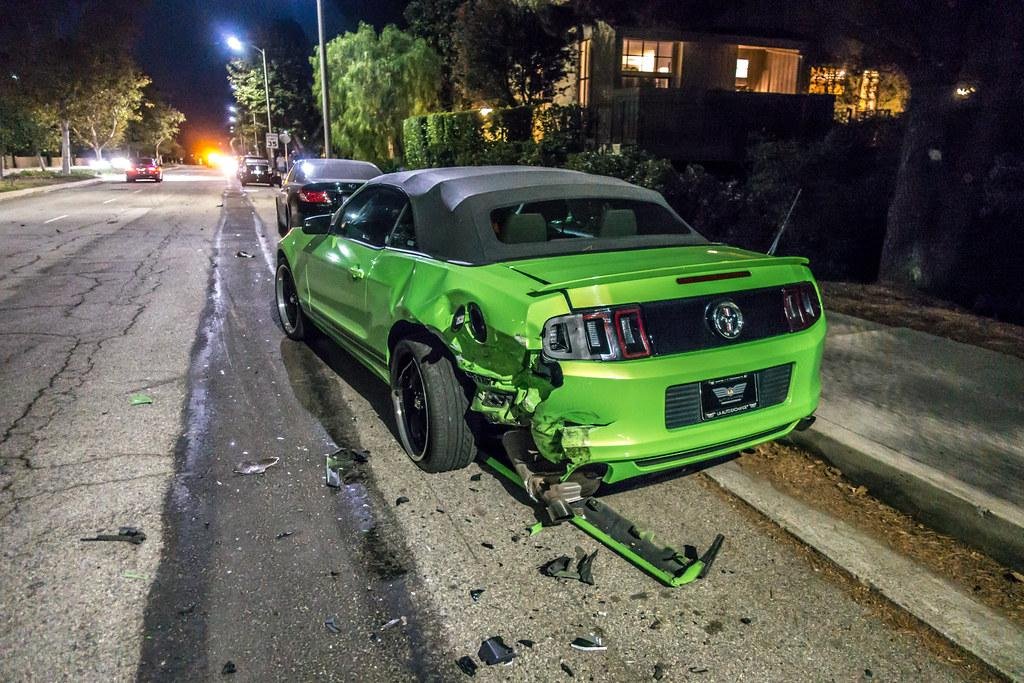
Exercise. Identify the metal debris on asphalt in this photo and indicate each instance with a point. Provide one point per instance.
(126, 534)
(561, 567)
(467, 665)
(331, 624)
(394, 622)
(228, 668)
(495, 651)
(589, 643)
(140, 399)
(476, 593)
(255, 466)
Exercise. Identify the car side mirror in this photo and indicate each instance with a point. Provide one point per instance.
(317, 225)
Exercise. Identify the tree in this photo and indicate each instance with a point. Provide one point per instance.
(63, 51)
(157, 124)
(432, 20)
(965, 65)
(510, 54)
(100, 116)
(376, 82)
(289, 76)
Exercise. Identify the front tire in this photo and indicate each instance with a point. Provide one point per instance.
(289, 310)
(431, 408)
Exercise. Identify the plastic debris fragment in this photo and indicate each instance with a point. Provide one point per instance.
(284, 534)
(331, 624)
(228, 668)
(400, 500)
(589, 643)
(566, 669)
(659, 672)
(255, 466)
(126, 534)
(243, 254)
(140, 399)
(476, 593)
(467, 665)
(525, 642)
(394, 622)
(495, 651)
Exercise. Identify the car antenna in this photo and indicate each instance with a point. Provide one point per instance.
(782, 228)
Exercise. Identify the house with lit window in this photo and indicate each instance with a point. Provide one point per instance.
(693, 96)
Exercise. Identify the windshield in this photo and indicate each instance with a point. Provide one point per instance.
(583, 219)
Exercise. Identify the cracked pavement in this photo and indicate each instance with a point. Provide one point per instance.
(97, 305)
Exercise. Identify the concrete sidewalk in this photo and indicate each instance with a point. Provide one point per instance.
(931, 426)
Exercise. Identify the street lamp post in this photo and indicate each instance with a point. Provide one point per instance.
(237, 45)
(325, 103)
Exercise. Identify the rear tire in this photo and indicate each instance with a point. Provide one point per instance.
(431, 408)
(289, 310)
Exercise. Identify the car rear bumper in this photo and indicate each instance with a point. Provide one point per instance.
(143, 175)
(615, 413)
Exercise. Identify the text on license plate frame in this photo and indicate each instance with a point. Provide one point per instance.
(730, 395)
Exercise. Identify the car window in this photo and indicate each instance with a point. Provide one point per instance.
(404, 234)
(370, 215)
(145, 161)
(584, 217)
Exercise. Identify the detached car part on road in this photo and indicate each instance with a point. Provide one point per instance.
(579, 314)
(318, 186)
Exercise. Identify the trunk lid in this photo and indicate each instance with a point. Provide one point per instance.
(646, 275)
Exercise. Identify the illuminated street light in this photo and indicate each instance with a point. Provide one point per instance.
(233, 109)
(232, 119)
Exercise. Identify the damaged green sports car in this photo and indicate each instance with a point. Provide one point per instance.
(576, 315)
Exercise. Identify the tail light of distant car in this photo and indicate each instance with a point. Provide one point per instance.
(314, 196)
(800, 305)
(605, 334)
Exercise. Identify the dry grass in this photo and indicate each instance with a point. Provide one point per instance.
(902, 308)
(816, 483)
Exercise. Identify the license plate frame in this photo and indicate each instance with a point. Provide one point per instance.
(725, 396)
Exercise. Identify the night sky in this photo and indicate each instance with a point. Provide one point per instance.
(181, 47)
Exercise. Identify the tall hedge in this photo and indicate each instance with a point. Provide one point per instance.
(514, 135)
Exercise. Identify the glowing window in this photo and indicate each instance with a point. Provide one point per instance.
(742, 67)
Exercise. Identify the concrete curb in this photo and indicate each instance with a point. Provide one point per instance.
(967, 623)
(28, 191)
(945, 504)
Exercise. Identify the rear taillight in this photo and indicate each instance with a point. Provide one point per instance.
(314, 196)
(800, 305)
(605, 334)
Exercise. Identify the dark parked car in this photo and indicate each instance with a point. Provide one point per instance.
(319, 186)
(256, 170)
(144, 168)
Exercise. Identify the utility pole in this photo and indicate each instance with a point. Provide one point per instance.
(325, 104)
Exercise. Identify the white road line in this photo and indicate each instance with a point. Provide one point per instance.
(56, 219)
(112, 199)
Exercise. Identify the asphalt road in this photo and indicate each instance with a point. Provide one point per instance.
(158, 302)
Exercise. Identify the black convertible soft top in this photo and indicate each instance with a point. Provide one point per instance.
(452, 206)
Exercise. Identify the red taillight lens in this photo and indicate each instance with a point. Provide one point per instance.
(629, 327)
(800, 305)
(314, 196)
(606, 334)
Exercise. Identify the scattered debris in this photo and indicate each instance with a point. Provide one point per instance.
(394, 622)
(659, 672)
(127, 534)
(476, 593)
(525, 642)
(341, 467)
(536, 528)
(560, 567)
(476, 477)
(467, 665)
(495, 651)
(589, 643)
(566, 669)
(746, 620)
(140, 399)
(362, 457)
(284, 534)
(331, 477)
(489, 546)
(331, 624)
(243, 254)
(655, 625)
(868, 673)
(134, 575)
(255, 466)
(400, 500)
(228, 668)
(695, 670)
(441, 510)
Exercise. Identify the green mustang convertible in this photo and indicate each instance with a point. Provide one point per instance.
(576, 315)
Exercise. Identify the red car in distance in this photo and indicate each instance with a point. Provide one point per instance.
(144, 168)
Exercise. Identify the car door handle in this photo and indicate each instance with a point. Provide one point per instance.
(356, 272)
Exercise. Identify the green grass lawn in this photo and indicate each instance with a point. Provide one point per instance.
(26, 179)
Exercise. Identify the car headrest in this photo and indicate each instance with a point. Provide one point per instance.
(525, 227)
(617, 223)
